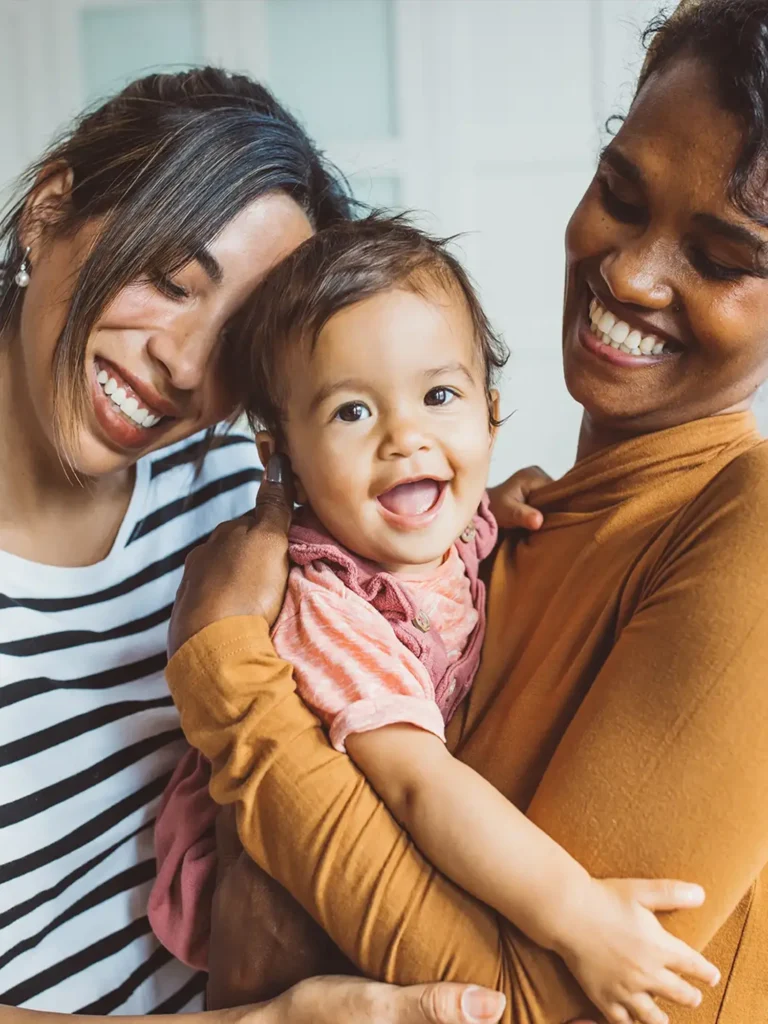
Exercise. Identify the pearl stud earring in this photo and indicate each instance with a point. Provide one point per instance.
(22, 274)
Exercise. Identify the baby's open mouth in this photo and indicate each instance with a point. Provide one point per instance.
(412, 498)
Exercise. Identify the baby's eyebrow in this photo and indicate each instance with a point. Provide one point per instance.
(450, 368)
(325, 392)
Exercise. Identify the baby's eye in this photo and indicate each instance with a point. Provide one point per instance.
(440, 396)
(352, 412)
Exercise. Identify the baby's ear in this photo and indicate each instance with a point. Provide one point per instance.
(266, 446)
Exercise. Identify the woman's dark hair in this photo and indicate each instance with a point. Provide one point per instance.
(731, 37)
(333, 269)
(165, 165)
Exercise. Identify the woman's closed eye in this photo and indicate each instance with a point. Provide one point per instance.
(352, 412)
(440, 395)
(170, 288)
(715, 271)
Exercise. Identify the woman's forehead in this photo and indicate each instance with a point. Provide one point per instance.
(678, 116)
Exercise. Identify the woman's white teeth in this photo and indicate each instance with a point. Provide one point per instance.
(619, 335)
(127, 404)
(606, 322)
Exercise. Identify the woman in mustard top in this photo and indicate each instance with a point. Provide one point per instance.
(621, 700)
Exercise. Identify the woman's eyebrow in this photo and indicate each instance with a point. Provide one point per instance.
(730, 230)
(741, 235)
(210, 265)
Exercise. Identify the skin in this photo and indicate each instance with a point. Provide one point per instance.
(168, 345)
(643, 240)
(392, 391)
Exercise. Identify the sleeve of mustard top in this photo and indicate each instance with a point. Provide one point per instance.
(309, 817)
(663, 772)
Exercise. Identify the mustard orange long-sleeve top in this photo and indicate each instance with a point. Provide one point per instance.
(622, 701)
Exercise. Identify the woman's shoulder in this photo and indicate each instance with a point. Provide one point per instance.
(207, 454)
(742, 484)
(186, 489)
(728, 521)
(222, 465)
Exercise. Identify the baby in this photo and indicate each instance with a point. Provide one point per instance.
(371, 364)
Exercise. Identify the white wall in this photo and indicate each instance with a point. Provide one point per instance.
(486, 113)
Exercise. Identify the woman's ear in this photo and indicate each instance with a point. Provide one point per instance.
(51, 193)
(494, 406)
(267, 447)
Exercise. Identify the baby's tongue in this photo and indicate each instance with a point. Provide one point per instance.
(411, 499)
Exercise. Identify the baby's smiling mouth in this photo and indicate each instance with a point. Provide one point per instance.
(413, 497)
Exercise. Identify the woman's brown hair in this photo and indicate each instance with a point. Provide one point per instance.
(164, 165)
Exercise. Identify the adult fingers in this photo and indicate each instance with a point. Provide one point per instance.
(338, 1000)
(667, 894)
(512, 514)
(449, 1003)
(274, 502)
(510, 500)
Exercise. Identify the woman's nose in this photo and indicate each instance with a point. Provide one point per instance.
(640, 274)
(184, 356)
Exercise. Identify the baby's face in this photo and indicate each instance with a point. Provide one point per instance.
(388, 429)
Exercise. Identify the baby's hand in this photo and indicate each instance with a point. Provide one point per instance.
(509, 501)
(623, 958)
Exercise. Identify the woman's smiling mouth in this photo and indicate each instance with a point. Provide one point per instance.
(619, 342)
(125, 415)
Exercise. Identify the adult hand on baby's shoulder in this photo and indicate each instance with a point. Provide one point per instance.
(510, 500)
(243, 566)
(339, 1000)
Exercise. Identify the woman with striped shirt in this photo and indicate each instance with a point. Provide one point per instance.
(136, 240)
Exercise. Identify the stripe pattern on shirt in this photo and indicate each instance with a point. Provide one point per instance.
(88, 739)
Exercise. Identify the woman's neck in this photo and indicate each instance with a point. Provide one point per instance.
(594, 437)
(47, 513)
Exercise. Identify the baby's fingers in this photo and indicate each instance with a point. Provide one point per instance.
(643, 1009)
(617, 1015)
(684, 960)
(666, 894)
(675, 989)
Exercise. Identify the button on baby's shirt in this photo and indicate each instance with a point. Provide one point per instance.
(421, 621)
(451, 687)
(469, 533)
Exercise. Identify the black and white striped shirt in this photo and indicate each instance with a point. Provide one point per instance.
(88, 739)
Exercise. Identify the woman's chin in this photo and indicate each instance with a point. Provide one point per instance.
(92, 458)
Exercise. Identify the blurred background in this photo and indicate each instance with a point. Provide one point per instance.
(487, 115)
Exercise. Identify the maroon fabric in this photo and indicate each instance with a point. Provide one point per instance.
(179, 908)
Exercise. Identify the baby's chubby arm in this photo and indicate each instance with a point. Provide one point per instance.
(471, 832)
(605, 930)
